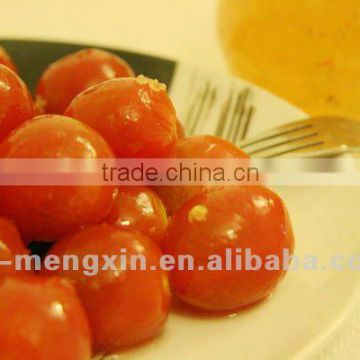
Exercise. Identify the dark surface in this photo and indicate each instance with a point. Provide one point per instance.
(32, 57)
(40, 248)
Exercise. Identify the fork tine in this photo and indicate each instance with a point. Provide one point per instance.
(195, 94)
(210, 103)
(198, 108)
(277, 143)
(237, 108)
(201, 104)
(242, 112)
(194, 97)
(190, 113)
(276, 132)
(224, 114)
(249, 117)
(294, 147)
(281, 140)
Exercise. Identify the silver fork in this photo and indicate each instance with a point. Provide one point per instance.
(314, 137)
(235, 117)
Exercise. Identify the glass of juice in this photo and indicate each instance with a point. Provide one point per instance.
(306, 51)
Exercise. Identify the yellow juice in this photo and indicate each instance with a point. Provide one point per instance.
(307, 51)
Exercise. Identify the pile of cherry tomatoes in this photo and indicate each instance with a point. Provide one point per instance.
(90, 104)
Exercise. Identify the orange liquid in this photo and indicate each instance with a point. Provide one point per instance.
(307, 51)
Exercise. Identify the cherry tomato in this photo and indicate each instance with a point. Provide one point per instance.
(212, 224)
(180, 130)
(5, 59)
(135, 115)
(46, 213)
(16, 105)
(124, 306)
(196, 147)
(138, 208)
(70, 75)
(11, 244)
(41, 318)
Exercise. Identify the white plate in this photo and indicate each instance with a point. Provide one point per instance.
(308, 306)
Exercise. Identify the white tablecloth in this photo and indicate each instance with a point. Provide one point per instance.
(179, 29)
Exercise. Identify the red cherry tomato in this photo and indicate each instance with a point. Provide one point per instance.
(180, 130)
(5, 59)
(74, 73)
(42, 319)
(135, 116)
(45, 213)
(196, 147)
(207, 146)
(124, 306)
(10, 245)
(10, 237)
(16, 105)
(243, 217)
(138, 208)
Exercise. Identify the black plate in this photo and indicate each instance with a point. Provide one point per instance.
(32, 57)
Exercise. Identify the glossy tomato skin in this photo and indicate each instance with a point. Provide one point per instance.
(46, 213)
(11, 244)
(125, 307)
(42, 319)
(138, 208)
(196, 147)
(135, 116)
(74, 73)
(16, 105)
(6, 60)
(244, 217)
